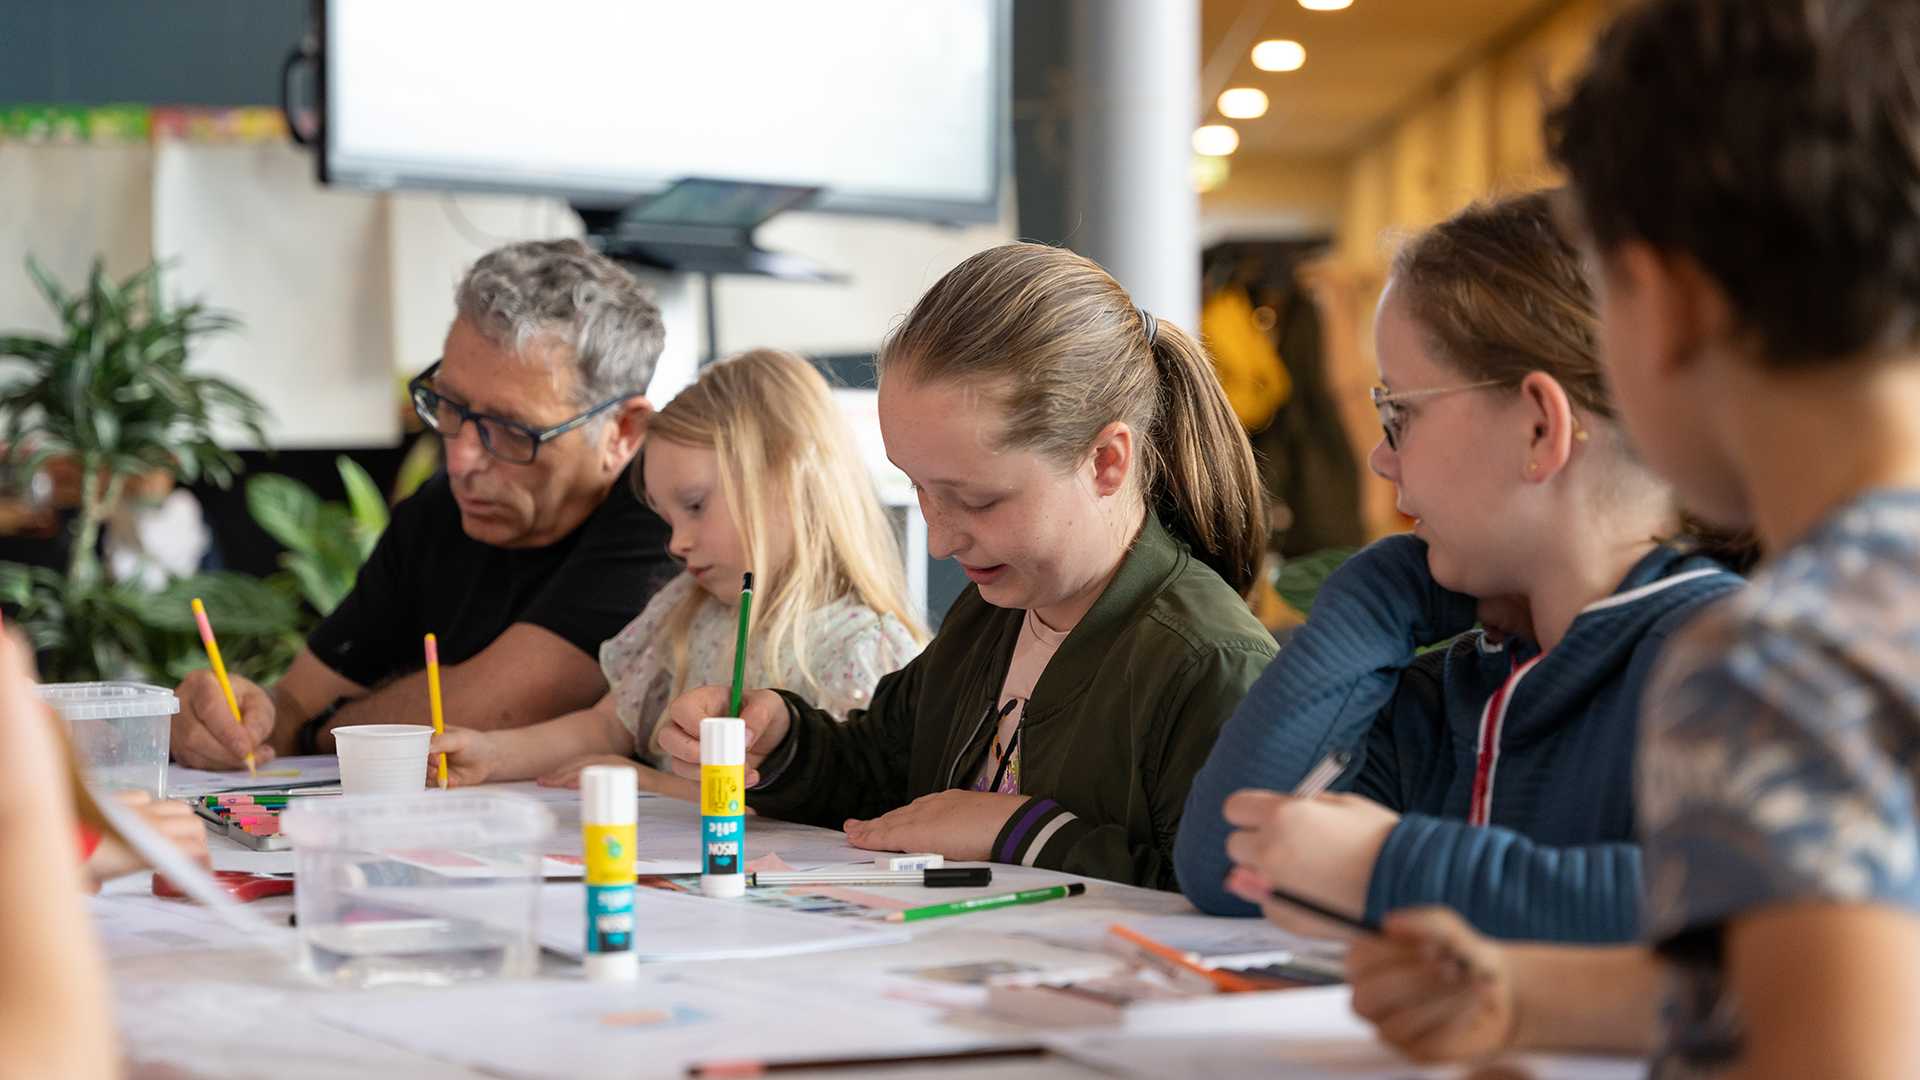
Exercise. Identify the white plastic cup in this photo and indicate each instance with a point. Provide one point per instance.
(382, 759)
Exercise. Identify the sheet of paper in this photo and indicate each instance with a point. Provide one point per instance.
(665, 867)
(637, 1031)
(1206, 935)
(532, 790)
(1262, 1056)
(1321, 1012)
(573, 866)
(676, 841)
(808, 855)
(452, 863)
(134, 925)
(185, 783)
(678, 926)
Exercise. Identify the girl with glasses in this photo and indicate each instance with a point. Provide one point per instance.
(755, 470)
(1494, 772)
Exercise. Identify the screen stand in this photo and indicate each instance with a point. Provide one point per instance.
(704, 227)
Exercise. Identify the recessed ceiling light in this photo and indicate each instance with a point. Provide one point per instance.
(1279, 55)
(1243, 103)
(1325, 5)
(1215, 140)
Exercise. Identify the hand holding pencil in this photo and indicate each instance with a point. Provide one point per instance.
(186, 750)
(1309, 843)
(433, 701)
(204, 735)
(764, 711)
(1434, 987)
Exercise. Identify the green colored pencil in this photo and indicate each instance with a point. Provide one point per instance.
(1030, 896)
(740, 647)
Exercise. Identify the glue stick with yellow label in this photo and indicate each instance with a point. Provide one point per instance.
(723, 806)
(609, 807)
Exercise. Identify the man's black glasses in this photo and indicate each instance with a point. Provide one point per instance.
(509, 440)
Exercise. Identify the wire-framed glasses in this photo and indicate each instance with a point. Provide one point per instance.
(1393, 418)
(509, 440)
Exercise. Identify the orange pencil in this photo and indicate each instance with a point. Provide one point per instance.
(220, 670)
(433, 698)
(1147, 952)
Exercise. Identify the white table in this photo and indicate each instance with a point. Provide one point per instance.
(243, 1012)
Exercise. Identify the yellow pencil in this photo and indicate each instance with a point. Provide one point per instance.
(433, 697)
(220, 670)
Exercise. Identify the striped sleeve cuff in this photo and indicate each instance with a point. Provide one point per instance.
(1038, 834)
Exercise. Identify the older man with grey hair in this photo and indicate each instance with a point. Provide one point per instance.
(522, 557)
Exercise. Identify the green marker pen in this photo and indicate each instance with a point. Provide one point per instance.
(1029, 896)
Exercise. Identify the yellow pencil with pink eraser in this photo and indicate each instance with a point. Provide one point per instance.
(220, 671)
(433, 699)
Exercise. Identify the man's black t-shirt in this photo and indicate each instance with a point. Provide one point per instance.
(427, 575)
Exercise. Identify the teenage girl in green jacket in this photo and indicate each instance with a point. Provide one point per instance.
(1080, 461)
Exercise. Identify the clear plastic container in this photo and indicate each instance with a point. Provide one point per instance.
(119, 729)
(424, 890)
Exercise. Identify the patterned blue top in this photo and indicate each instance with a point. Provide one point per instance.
(1781, 751)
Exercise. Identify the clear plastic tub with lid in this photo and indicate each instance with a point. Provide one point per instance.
(118, 729)
(428, 890)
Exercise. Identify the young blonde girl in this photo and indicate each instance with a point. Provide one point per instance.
(732, 464)
(1080, 461)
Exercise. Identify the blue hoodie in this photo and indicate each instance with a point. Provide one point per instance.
(1556, 860)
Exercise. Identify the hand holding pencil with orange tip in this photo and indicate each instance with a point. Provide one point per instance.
(220, 670)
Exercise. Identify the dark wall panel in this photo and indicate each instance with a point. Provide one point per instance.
(185, 52)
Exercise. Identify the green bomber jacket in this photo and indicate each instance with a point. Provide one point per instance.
(1121, 719)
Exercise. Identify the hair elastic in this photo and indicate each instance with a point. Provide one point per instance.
(1150, 324)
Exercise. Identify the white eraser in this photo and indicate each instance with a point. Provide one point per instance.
(909, 862)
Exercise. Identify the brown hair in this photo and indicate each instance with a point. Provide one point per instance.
(1065, 352)
(1772, 142)
(1501, 294)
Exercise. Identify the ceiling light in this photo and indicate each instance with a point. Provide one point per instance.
(1325, 5)
(1244, 103)
(1215, 140)
(1279, 55)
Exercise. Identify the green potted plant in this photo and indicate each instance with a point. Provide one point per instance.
(111, 394)
(326, 542)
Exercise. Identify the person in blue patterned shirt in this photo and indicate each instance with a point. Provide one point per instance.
(1747, 180)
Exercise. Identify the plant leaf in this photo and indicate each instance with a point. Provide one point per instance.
(286, 508)
(369, 508)
(1300, 578)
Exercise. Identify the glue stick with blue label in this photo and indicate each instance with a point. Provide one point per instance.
(609, 806)
(723, 806)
